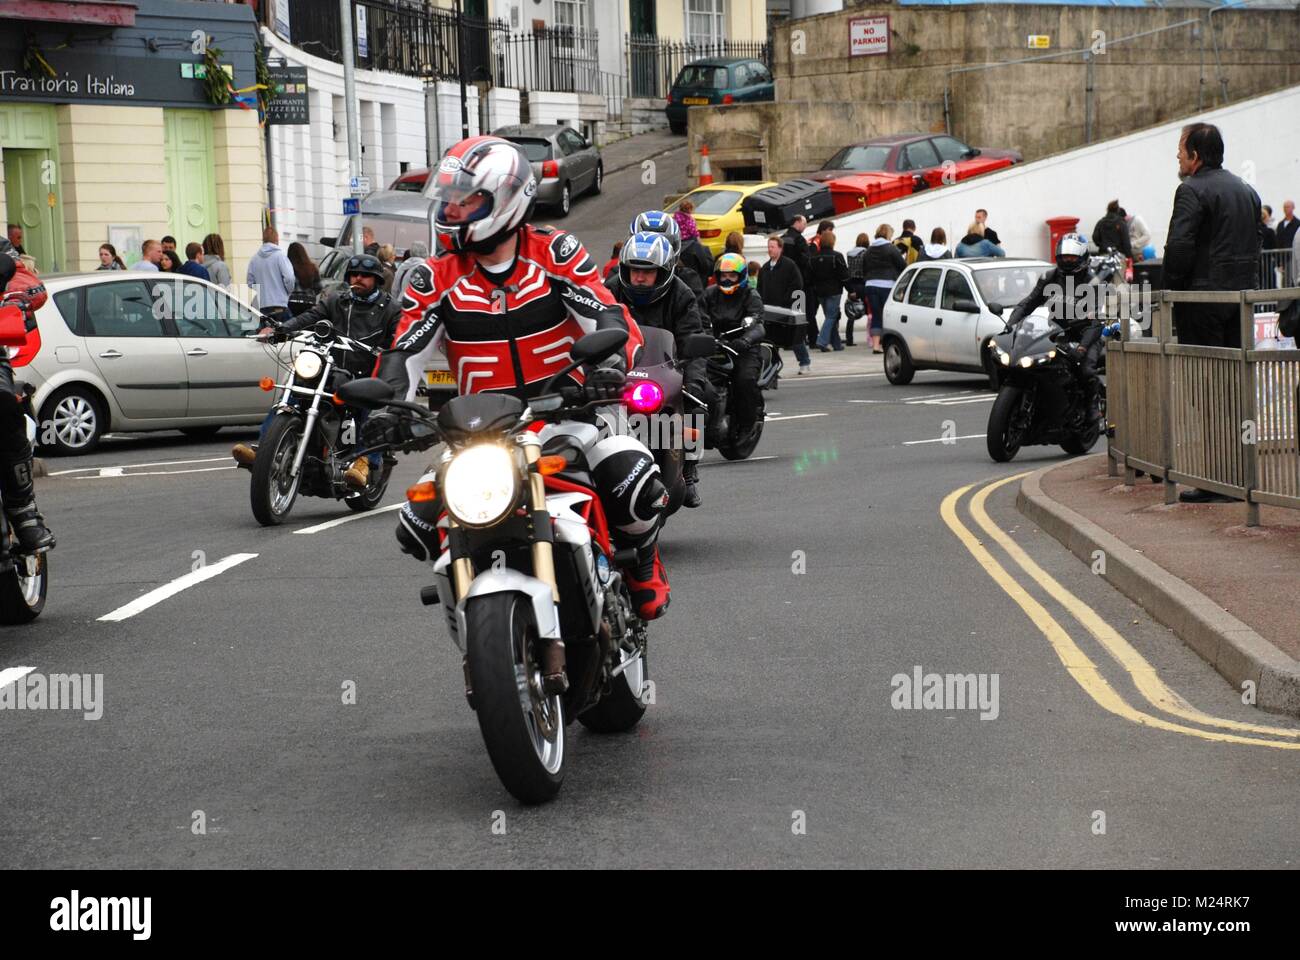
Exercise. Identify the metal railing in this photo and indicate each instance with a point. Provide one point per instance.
(1275, 269)
(1216, 418)
(652, 63)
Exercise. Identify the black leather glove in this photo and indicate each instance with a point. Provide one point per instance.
(384, 428)
(604, 383)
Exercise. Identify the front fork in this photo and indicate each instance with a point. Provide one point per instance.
(543, 555)
(313, 414)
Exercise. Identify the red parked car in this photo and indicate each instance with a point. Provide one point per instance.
(922, 156)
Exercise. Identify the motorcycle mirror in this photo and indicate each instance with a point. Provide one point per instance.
(996, 309)
(324, 328)
(546, 404)
(595, 347)
(698, 346)
(966, 306)
(370, 393)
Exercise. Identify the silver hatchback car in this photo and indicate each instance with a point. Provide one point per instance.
(565, 163)
(130, 351)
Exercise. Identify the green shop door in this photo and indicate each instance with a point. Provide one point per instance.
(29, 141)
(191, 179)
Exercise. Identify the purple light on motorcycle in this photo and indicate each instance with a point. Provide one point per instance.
(644, 397)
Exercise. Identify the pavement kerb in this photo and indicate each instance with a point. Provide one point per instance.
(1236, 651)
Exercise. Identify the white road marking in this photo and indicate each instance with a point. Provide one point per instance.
(906, 399)
(723, 463)
(331, 524)
(796, 378)
(10, 674)
(106, 475)
(969, 436)
(952, 403)
(133, 466)
(109, 472)
(798, 416)
(140, 604)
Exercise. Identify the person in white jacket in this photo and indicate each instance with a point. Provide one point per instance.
(1139, 235)
(271, 274)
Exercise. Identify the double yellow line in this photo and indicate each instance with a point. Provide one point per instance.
(1076, 662)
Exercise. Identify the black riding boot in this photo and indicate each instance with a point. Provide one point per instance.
(19, 496)
(691, 474)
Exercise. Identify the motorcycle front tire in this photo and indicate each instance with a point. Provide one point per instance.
(271, 498)
(1002, 448)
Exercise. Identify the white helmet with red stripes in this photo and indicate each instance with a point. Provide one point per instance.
(482, 191)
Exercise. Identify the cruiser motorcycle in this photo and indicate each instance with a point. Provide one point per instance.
(312, 437)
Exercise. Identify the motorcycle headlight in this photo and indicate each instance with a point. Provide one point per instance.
(1004, 357)
(481, 484)
(1026, 361)
(307, 365)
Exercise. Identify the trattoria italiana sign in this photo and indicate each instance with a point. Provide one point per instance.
(89, 78)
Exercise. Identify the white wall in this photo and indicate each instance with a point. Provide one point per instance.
(502, 107)
(1262, 145)
(310, 163)
(546, 106)
(443, 105)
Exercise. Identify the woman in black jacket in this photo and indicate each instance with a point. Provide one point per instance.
(881, 266)
(829, 271)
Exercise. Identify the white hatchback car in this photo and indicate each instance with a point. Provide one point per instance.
(941, 314)
(107, 358)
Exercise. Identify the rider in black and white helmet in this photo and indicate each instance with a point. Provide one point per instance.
(657, 221)
(1073, 300)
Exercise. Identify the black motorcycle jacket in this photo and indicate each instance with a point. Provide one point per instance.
(677, 311)
(373, 323)
(1072, 300)
(727, 312)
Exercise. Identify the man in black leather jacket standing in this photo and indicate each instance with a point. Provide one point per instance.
(361, 311)
(1213, 240)
(735, 311)
(647, 284)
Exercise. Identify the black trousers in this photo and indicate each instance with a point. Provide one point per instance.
(749, 397)
(1207, 324)
(15, 449)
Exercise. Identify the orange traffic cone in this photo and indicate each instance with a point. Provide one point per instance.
(706, 171)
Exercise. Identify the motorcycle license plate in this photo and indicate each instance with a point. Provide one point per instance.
(439, 378)
(695, 101)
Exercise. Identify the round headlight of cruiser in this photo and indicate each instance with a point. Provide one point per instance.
(481, 484)
(307, 365)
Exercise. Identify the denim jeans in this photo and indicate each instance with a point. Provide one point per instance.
(830, 333)
(801, 354)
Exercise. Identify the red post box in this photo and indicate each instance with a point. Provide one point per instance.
(1057, 227)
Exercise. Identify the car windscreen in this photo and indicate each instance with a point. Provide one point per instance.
(1006, 285)
(534, 150)
(858, 158)
(702, 78)
(400, 232)
(713, 203)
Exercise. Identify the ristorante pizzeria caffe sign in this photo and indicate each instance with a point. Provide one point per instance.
(89, 78)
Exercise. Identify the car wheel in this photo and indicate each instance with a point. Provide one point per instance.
(899, 369)
(566, 201)
(676, 127)
(600, 178)
(72, 422)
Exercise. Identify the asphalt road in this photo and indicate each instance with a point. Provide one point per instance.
(813, 575)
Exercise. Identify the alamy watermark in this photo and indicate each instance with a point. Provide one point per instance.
(946, 691)
(58, 691)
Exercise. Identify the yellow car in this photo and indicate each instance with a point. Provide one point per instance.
(717, 210)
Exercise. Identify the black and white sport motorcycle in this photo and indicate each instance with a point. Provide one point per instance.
(524, 569)
(312, 438)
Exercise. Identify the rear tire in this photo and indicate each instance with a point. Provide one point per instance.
(677, 128)
(566, 201)
(1003, 442)
(23, 588)
(899, 369)
(374, 492)
(522, 729)
(622, 708)
(1082, 442)
(271, 493)
(598, 181)
(733, 450)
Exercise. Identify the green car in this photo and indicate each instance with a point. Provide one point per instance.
(717, 81)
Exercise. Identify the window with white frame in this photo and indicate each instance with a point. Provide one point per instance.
(571, 13)
(706, 21)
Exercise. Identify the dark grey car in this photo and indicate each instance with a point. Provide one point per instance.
(565, 163)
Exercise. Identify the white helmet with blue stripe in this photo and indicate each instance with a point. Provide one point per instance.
(657, 221)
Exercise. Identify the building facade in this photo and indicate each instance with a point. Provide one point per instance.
(108, 132)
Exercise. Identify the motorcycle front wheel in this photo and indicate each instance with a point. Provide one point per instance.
(273, 491)
(523, 729)
(1004, 436)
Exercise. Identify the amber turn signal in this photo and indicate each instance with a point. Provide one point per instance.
(337, 401)
(547, 466)
(267, 384)
(422, 492)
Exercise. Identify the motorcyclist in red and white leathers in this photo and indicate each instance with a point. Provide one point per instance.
(505, 305)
